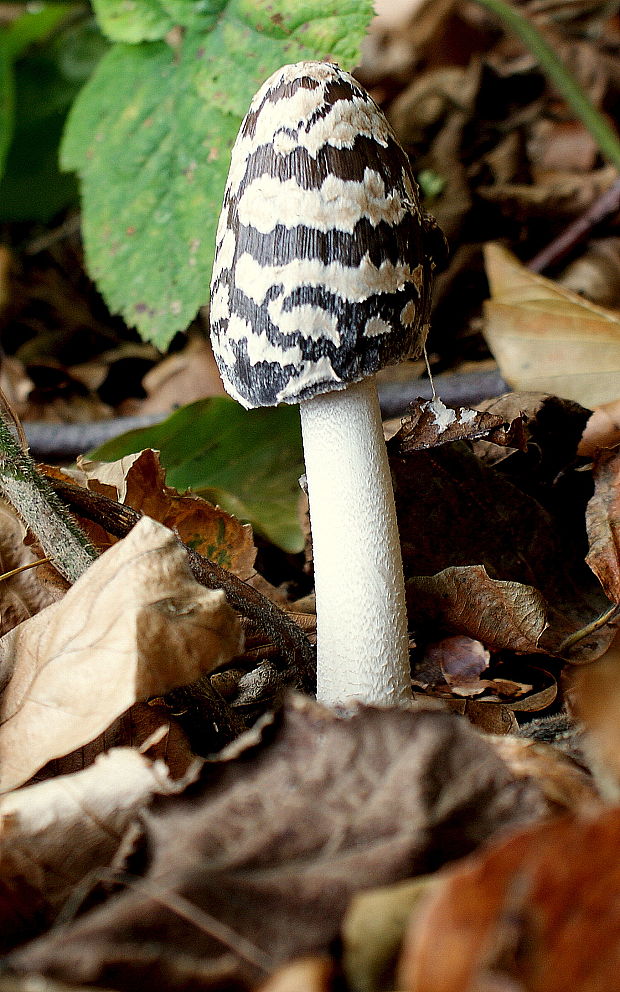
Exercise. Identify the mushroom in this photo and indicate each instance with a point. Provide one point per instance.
(322, 276)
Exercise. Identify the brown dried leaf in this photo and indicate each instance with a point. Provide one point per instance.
(603, 522)
(559, 193)
(22, 595)
(538, 911)
(500, 614)
(596, 273)
(310, 974)
(135, 625)
(522, 525)
(187, 375)
(276, 843)
(602, 429)
(546, 338)
(565, 783)
(431, 423)
(55, 833)
(139, 481)
(145, 726)
(561, 146)
(595, 698)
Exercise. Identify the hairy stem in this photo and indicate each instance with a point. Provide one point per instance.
(41, 510)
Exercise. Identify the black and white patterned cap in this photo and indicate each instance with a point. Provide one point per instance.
(322, 272)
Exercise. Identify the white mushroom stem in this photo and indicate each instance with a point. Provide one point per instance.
(362, 644)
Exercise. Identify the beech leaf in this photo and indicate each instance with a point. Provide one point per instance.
(546, 338)
(603, 522)
(500, 614)
(261, 863)
(135, 625)
(139, 481)
(53, 834)
(538, 911)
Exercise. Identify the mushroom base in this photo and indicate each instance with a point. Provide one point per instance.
(362, 643)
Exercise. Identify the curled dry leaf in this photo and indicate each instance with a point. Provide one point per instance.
(54, 834)
(134, 626)
(139, 481)
(21, 595)
(595, 697)
(430, 423)
(602, 429)
(545, 337)
(500, 614)
(603, 522)
(537, 912)
(312, 974)
(261, 863)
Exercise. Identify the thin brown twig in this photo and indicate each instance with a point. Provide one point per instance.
(604, 206)
(118, 520)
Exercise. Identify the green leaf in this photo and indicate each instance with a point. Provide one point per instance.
(46, 78)
(35, 24)
(151, 20)
(246, 461)
(151, 134)
(7, 99)
(31, 26)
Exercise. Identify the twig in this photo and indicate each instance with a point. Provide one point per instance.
(118, 520)
(58, 442)
(604, 206)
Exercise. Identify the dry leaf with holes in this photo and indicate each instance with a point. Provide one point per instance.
(547, 338)
(431, 422)
(139, 481)
(55, 833)
(135, 625)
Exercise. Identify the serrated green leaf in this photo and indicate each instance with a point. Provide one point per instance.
(132, 21)
(151, 135)
(246, 461)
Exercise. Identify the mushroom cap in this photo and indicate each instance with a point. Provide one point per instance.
(323, 263)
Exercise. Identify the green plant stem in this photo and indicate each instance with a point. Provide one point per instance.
(566, 84)
(63, 542)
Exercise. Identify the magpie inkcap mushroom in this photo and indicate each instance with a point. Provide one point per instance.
(322, 276)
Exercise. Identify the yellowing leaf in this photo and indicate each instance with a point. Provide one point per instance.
(546, 338)
(135, 625)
